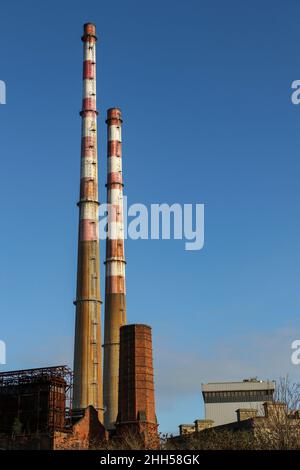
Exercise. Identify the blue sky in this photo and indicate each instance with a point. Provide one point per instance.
(204, 87)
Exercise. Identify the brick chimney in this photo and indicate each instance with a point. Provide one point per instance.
(136, 385)
(275, 409)
(201, 424)
(246, 413)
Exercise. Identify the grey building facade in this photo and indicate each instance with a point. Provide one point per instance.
(221, 400)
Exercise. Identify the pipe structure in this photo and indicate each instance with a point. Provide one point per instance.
(88, 352)
(115, 291)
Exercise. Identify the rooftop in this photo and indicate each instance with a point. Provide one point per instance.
(247, 384)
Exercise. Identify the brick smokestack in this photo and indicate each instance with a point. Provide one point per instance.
(115, 291)
(136, 386)
(88, 354)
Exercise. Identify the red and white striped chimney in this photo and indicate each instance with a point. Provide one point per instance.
(115, 294)
(88, 354)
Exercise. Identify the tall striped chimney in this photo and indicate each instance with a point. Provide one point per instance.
(88, 353)
(115, 294)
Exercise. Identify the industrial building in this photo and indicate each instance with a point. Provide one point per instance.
(54, 408)
(276, 427)
(222, 399)
(35, 400)
(227, 402)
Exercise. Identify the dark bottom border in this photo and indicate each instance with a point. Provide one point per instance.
(134, 459)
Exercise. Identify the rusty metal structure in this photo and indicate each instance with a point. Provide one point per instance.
(115, 289)
(36, 400)
(88, 354)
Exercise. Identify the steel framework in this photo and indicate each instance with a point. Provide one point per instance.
(39, 398)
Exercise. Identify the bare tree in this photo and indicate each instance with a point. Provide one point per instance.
(277, 428)
(280, 427)
(288, 392)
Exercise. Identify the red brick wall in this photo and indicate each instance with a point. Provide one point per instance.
(87, 433)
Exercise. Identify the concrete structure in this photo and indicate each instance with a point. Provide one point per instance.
(88, 353)
(136, 386)
(223, 399)
(115, 290)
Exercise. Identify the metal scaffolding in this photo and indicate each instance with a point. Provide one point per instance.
(39, 399)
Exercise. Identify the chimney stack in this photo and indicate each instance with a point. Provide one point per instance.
(87, 354)
(115, 291)
(136, 386)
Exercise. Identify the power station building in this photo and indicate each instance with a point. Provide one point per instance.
(223, 399)
(95, 403)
